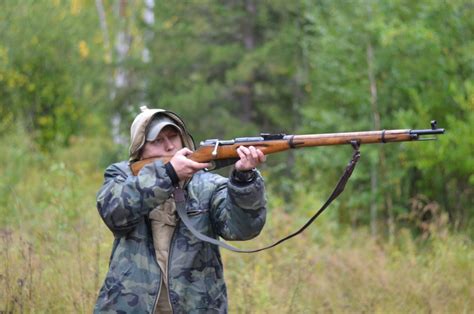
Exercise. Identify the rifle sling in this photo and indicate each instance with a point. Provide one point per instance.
(180, 200)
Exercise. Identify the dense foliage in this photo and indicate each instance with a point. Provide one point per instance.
(234, 68)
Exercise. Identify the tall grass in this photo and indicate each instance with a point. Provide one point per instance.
(355, 274)
(54, 250)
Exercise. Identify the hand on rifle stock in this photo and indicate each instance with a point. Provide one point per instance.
(185, 167)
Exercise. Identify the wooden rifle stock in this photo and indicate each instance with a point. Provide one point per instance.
(224, 153)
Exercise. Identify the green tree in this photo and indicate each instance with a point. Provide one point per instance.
(50, 63)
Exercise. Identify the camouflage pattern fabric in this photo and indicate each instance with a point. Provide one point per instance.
(217, 206)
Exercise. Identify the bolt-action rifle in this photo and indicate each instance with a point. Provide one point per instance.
(222, 153)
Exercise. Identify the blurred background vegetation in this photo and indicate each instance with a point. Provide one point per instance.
(73, 74)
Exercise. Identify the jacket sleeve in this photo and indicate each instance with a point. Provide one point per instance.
(239, 210)
(124, 199)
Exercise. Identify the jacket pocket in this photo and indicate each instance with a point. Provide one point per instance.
(198, 211)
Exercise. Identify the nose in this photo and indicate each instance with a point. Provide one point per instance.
(168, 144)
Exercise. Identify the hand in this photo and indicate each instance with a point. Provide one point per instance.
(184, 167)
(250, 157)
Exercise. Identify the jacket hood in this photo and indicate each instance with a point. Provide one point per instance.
(140, 126)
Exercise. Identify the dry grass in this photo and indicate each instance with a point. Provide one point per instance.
(353, 273)
(54, 252)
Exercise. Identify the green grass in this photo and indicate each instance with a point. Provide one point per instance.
(54, 251)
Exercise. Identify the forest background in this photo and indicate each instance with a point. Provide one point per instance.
(400, 239)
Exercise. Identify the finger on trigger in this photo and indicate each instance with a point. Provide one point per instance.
(204, 165)
(196, 165)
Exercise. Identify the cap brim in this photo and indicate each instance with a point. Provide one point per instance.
(156, 128)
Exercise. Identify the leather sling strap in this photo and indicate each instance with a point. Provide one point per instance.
(180, 199)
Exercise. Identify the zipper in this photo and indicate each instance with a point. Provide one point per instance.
(168, 266)
(170, 253)
(168, 275)
(157, 296)
(148, 222)
(168, 262)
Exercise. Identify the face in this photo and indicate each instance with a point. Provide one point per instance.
(166, 144)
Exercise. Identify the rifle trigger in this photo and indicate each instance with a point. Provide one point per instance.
(214, 152)
(212, 167)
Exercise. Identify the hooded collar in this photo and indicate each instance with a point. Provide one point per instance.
(140, 126)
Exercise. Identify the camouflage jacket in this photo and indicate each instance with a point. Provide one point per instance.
(218, 207)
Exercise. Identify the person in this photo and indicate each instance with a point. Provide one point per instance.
(157, 265)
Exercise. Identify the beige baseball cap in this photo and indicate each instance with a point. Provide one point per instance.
(157, 124)
(141, 129)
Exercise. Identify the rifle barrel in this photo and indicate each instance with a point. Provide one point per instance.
(427, 131)
(367, 137)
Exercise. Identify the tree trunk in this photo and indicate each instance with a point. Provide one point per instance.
(381, 160)
(246, 89)
(298, 95)
(373, 199)
(121, 76)
(376, 121)
(149, 35)
(103, 26)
